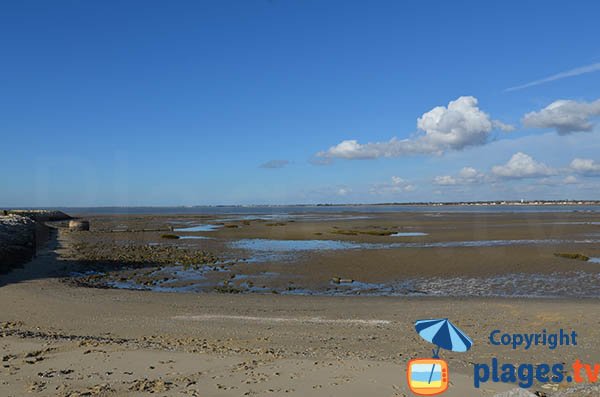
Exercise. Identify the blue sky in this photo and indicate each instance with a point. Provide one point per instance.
(241, 102)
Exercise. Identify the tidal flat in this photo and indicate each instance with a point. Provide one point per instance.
(449, 254)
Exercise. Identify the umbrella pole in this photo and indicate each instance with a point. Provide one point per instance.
(435, 355)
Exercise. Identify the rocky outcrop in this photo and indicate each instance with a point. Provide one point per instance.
(39, 215)
(17, 241)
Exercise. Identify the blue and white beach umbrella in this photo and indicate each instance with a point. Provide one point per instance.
(444, 334)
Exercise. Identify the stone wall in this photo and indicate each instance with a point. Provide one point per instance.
(39, 215)
(18, 238)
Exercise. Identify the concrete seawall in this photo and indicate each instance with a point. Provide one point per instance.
(21, 233)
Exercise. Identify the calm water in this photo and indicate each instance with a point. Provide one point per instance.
(267, 245)
(198, 228)
(284, 210)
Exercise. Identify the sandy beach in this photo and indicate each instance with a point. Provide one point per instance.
(61, 338)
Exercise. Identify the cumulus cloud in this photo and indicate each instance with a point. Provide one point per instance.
(397, 185)
(466, 175)
(585, 166)
(565, 116)
(274, 164)
(470, 175)
(522, 165)
(455, 127)
(569, 180)
(459, 125)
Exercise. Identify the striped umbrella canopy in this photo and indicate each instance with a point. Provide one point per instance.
(444, 334)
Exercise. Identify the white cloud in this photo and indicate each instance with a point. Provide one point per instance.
(569, 73)
(470, 175)
(569, 180)
(445, 180)
(397, 185)
(343, 191)
(459, 125)
(274, 164)
(522, 165)
(397, 181)
(565, 116)
(455, 127)
(352, 150)
(585, 166)
(503, 126)
(467, 175)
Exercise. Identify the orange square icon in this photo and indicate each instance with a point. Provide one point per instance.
(427, 376)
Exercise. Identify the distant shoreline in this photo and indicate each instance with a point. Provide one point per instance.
(414, 204)
(479, 203)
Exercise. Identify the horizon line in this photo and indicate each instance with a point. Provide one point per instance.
(461, 202)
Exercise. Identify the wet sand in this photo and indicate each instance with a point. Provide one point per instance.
(497, 254)
(61, 339)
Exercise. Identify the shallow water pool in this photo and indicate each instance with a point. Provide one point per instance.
(267, 245)
(198, 228)
(293, 245)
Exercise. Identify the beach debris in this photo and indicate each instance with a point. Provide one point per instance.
(341, 280)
